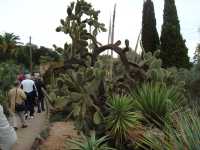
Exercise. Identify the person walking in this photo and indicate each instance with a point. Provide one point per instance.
(39, 85)
(8, 135)
(30, 89)
(20, 77)
(17, 99)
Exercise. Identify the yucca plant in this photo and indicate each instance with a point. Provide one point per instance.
(185, 136)
(122, 117)
(91, 143)
(156, 101)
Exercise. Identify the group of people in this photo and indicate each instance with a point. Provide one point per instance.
(24, 96)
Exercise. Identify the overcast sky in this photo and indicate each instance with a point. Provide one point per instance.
(39, 18)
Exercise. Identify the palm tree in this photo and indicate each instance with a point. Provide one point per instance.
(8, 44)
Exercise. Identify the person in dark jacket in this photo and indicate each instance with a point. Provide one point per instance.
(39, 85)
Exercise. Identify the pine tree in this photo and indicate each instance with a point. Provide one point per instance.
(150, 38)
(173, 49)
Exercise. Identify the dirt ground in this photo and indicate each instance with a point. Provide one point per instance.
(59, 133)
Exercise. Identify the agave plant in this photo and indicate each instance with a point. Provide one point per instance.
(91, 143)
(185, 135)
(156, 101)
(122, 118)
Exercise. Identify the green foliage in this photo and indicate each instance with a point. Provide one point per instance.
(151, 64)
(103, 62)
(193, 80)
(173, 49)
(171, 76)
(193, 83)
(39, 55)
(183, 134)
(185, 81)
(122, 82)
(196, 57)
(22, 56)
(2, 97)
(157, 100)
(118, 68)
(91, 143)
(45, 55)
(150, 38)
(12, 49)
(178, 78)
(8, 72)
(122, 117)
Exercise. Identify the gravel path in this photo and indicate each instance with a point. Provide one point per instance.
(27, 135)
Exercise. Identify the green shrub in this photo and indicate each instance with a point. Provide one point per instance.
(8, 74)
(156, 101)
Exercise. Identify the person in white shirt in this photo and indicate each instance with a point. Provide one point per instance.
(30, 89)
(8, 135)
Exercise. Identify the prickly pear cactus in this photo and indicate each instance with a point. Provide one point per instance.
(84, 83)
(80, 18)
(83, 94)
